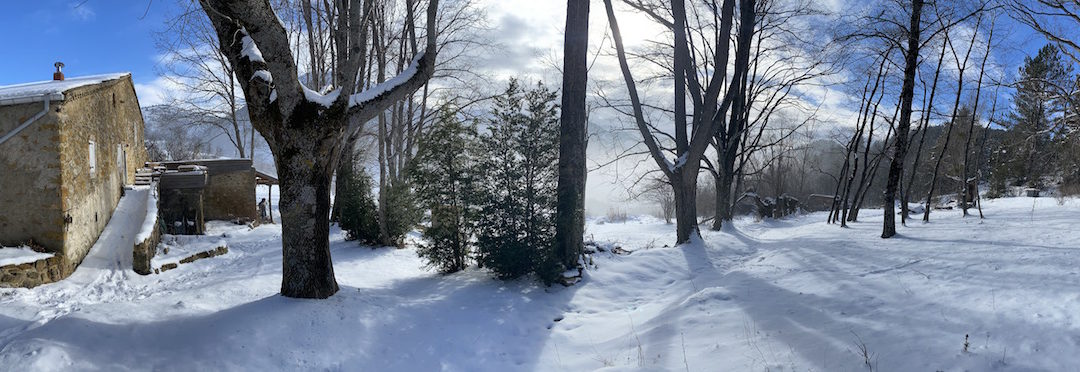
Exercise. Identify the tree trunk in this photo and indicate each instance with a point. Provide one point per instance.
(971, 126)
(873, 174)
(570, 207)
(737, 121)
(722, 204)
(384, 184)
(922, 139)
(724, 183)
(907, 93)
(685, 187)
(305, 167)
(304, 135)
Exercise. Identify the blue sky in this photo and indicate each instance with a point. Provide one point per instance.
(99, 36)
(105, 36)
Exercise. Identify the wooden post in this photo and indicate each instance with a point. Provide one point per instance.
(269, 203)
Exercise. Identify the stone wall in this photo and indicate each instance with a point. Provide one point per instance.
(230, 193)
(192, 258)
(231, 196)
(29, 275)
(30, 178)
(145, 250)
(107, 114)
(48, 194)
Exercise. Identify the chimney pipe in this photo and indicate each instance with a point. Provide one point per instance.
(58, 75)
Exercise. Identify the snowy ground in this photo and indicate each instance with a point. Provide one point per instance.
(174, 248)
(781, 295)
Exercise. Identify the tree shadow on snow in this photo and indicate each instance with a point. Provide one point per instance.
(458, 322)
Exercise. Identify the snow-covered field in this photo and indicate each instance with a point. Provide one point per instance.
(795, 294)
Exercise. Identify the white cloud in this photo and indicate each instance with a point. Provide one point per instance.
(155, 92)
(81, 11)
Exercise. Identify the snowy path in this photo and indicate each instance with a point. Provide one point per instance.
(781, 295)
(102, 276)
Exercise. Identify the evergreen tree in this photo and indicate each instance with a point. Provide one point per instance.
(515, 226)
(443, 173)
(403, 214)
(1067, 145)
(356, 207)
(1024, 158)
(952, 169)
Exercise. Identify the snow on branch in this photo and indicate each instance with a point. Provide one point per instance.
(367, 95)
(326, 100)
(264, 75)
(249, 49)
(370, 94)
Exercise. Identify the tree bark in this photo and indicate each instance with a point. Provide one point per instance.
(570, 207)
(305, 167)
(907, 93)
(685, 187)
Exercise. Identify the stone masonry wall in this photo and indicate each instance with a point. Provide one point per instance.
(230, 196)
(107, 114)
(145, 250)
(36, 273)
(30, 178)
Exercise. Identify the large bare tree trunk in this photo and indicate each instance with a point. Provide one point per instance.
(305, 168)
(303, 132)
(685, 187)
(570, 207)
(723, 200)
(730, 141)
(709, 108)
(907, 94)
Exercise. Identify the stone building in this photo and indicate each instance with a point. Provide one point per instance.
(229, 193)
(67, 148)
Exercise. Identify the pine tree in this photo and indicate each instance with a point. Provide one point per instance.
(403, 214)
(357, 208)
(443, 173)
(515, 226)
(1024, 158)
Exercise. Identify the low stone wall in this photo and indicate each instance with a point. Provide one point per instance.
(145, 250)
(33, 274)
(189, 259)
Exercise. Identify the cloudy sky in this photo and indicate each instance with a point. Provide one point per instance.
(104, 36)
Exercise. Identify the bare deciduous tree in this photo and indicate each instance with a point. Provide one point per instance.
(210, 95)
(570, 207)
(305, 127)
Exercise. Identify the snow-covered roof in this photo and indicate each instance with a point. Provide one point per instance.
(51, 89)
